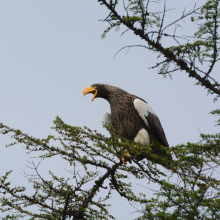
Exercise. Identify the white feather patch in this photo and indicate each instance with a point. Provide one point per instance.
(107, 118)
(142, 137)
(143, 109)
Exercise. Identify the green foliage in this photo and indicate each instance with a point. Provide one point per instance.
(194, 195)
(84, 148)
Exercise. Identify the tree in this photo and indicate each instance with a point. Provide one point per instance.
(194, 195)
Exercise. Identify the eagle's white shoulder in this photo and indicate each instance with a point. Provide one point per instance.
(143, 109)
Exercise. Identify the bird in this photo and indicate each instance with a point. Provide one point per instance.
(132, 116)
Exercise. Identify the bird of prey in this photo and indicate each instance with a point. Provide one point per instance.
(132, 116)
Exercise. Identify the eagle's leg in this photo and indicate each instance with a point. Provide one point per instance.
(123, 158)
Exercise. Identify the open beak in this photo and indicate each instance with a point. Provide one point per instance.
(90, 90)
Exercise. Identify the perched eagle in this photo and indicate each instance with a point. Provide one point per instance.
(130, 115)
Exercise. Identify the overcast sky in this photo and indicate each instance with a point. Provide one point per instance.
(51, 50)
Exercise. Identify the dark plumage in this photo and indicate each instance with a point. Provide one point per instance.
(130, 114)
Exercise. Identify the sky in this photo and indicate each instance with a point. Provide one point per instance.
(51, 50)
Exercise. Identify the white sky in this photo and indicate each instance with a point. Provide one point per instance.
(51, 50)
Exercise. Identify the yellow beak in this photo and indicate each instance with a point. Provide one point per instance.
(90, 90)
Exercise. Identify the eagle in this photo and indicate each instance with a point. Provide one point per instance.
(132, 116)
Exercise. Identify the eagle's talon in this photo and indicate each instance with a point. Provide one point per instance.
(127, 154)
(126, 158)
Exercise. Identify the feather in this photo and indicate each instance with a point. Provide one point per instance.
(107, 118)
(151, 120)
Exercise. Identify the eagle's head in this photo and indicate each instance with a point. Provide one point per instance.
(101, 91)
